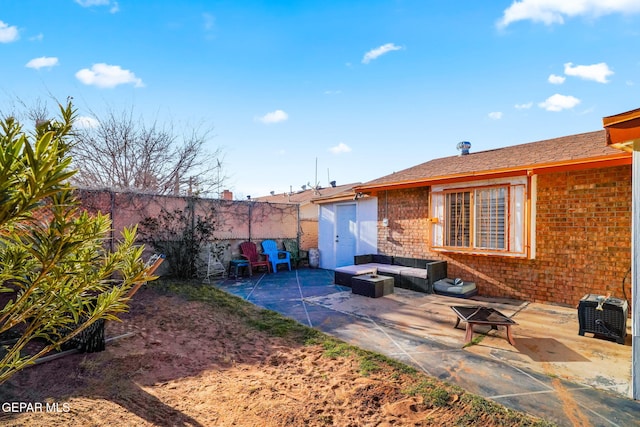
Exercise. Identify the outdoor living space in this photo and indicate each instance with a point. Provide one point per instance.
(549, 366)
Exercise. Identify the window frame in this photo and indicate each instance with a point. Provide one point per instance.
(517, 224)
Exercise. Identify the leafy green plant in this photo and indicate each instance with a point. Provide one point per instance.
(182, 236)
(56, 278)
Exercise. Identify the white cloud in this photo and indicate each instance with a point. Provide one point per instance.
(8, 33)
(551, 12)
(379, 51)
(43, 61)
(86, 122)
(107, 76)
(90, 3)
(523, 106)
(340, 148)
(495, 115)
(556, 80)
(37, 38)
(115, 7)
(276, 116)
(559, 102)
(596, 72)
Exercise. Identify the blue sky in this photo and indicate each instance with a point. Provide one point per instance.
(360, 88)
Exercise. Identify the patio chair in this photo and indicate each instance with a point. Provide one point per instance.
(250, 253)
(275, 256)
(297, 254)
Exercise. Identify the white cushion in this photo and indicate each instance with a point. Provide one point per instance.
(358, 269)
(420, 273)
(392, 269)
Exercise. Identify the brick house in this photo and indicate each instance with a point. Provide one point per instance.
(546, 221)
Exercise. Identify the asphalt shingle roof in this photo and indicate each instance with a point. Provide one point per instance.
(524, 156)
(302, 197)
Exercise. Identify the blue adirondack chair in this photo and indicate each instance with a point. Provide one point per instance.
(275, 256)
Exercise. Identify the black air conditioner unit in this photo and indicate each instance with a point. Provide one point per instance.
(603, 317)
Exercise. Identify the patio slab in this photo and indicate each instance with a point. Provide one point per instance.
(551, 372)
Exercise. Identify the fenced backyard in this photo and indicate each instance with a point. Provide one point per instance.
(232, 222)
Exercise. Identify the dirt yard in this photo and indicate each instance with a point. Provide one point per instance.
(192, 364)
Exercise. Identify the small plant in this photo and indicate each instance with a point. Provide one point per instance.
(432, 393)
(182, 236)
(368, 365)
(334, 349)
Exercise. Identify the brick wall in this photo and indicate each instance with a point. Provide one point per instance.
(583, 239)
(408, 231)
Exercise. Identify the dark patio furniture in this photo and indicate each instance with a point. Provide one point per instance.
(455, 288)
(478, 315)
(409, 273)
(372, 285)
(603, 316)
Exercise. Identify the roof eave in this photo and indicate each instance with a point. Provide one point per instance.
(336, 198)
(622, 129)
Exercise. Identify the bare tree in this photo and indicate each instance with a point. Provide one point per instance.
(124, 153)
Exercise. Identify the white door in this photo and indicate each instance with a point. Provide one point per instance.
(345, 239)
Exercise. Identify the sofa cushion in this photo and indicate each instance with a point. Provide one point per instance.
(411, 262)
(358, 269)
(414, 272)
(391, 269)
(446, 287)
(362, 259)
(407, 262)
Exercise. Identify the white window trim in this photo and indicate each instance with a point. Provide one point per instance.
(520, 244)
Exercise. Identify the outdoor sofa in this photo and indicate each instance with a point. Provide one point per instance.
(408, 273)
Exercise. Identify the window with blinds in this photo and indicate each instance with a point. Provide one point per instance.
(458, 217)
(490, 218)
(487, 219)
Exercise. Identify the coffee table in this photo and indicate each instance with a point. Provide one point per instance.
(478, 315)
(372, 285)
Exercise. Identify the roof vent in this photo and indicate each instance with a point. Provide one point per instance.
(333, 183)
(463, 147)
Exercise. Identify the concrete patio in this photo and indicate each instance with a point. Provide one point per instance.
(551, 372)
